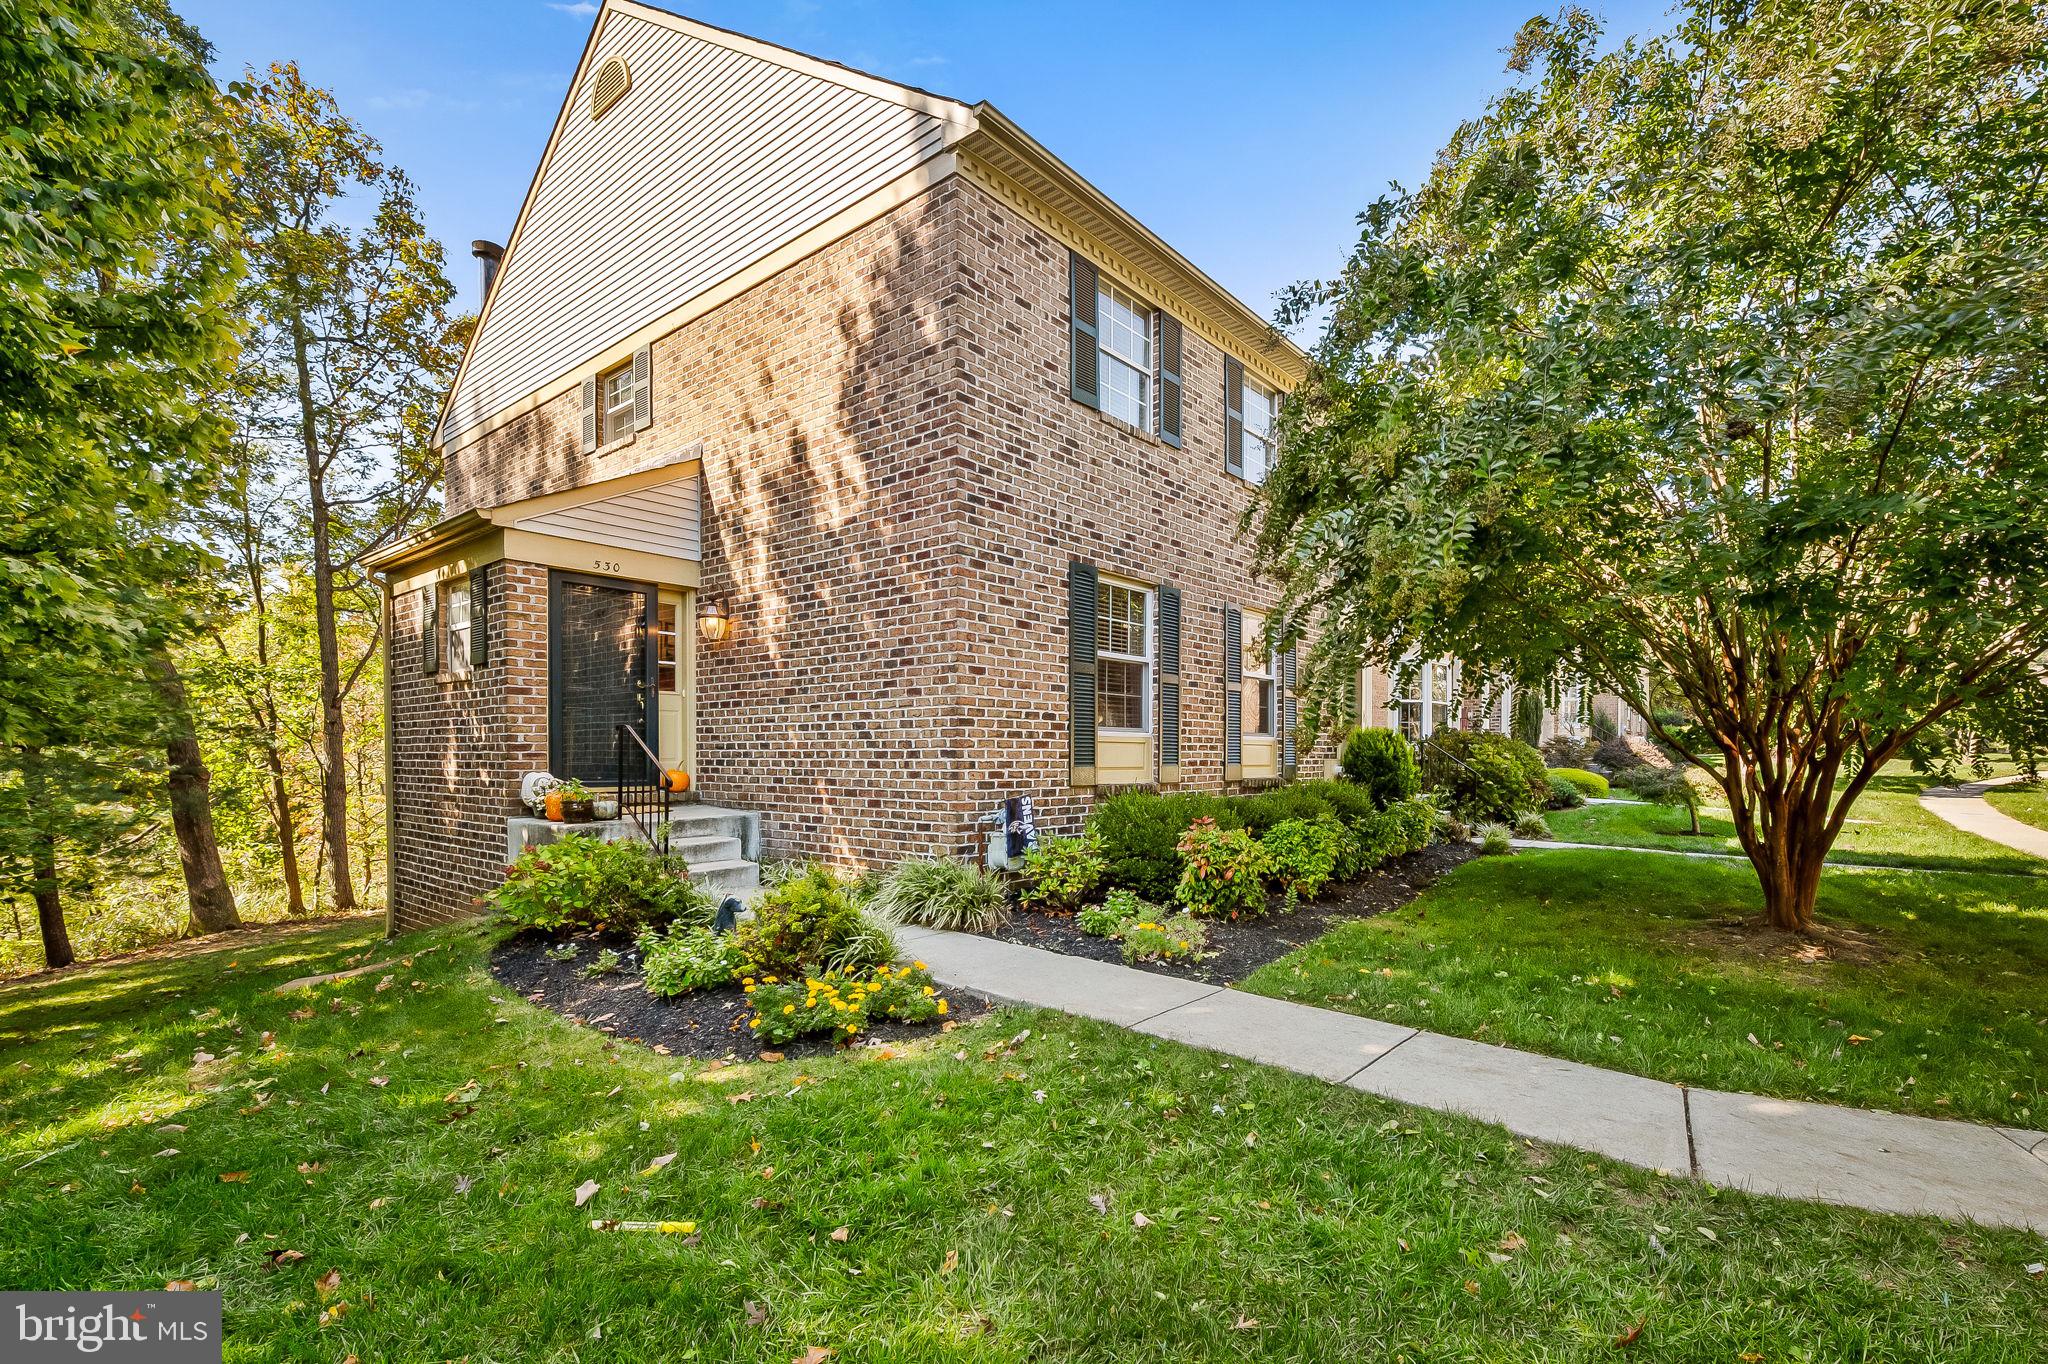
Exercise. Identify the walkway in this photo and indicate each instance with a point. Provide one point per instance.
(1883, 1161)
(1965, 807)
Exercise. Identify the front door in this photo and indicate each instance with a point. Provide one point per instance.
(600, 671)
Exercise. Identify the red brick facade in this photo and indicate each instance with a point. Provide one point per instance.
(895, 480)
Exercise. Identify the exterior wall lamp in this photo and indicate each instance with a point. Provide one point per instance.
(713, 624)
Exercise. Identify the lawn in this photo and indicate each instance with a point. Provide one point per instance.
(419, 1146)
(2027, 802)
(1928, 1000)
(1887, 828)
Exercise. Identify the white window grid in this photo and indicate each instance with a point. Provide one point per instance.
(1123, 639)
(455, 611)
(1260, 408)
(616, 399)
(1124, 336)
(1259, 679)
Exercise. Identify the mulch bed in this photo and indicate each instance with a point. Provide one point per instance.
(1238, 949)
(707, 1025)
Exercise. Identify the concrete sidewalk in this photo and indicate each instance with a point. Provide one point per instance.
(1887, 1162)
(1965, 807)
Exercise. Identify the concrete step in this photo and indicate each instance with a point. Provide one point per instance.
(694, 848)
(732, 874)
(697, 820)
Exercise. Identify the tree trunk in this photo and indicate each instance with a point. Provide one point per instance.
(209, 897)
(48, 896)
(334, 767)
(287, 831)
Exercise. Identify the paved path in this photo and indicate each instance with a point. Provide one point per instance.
(1965, 807)
(1884, 1161)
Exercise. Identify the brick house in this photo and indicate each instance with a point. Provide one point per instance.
(832, 441)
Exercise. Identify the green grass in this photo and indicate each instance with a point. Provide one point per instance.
(2027, 803)
(1887, 828)
(1643, 964)
(1341, 1225)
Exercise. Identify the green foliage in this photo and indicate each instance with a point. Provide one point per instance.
(688, 957)
(1564, 795)
(844, 1004)
(1178, 937)
(1682, 787)
(581, 882)
(1591, 785)
(1118, 908)
(1383, 762)
(1484, 776)
(940, 894)
(870, 942)
(1350, 803)
(1262, 810)
(1303, 853)
(1531, 824)
(1059, 873)
(801, 925)
(1526, 723)
(1221, 872)
(1493, 838)
(563, 951)
(1402, 828)
(605, 963)
(1551, 424)
(1139, 831)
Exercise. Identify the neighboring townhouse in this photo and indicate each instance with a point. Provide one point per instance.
(834, 442)
(1445, 694)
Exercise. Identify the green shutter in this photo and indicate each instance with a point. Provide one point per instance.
(1082, 283)
(1233, 694)
(590, 415)
(430, 629)
(1081, 627)
(1170, 346)
(1169, 684)
(1233, 416)
(1290, 714)
(479, 618)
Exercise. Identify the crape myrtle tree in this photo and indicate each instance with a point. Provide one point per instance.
(1715, 363)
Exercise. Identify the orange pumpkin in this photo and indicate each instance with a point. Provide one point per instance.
(554, 805)
(675, 780)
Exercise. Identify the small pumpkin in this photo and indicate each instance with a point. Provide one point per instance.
(675, 781)
(554, 805)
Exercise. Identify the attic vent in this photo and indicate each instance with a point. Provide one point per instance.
(609, 86)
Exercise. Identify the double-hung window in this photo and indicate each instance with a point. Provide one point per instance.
(1422, 699)
(1261, 417)
(455, 615)
(1124, 328)
(615, 404)
(1123, 659)
(1261, 695)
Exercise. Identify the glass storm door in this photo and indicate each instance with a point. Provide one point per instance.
(600, 672)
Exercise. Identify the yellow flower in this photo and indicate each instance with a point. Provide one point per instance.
(942, 1006)
(750, 989)
(789, 1008)
(746, 980)
(754, 1023)
(928, 990)
(918, 964)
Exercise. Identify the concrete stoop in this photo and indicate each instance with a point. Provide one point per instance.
(721, 845)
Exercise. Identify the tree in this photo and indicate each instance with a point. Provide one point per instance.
(349, 347)
(1714, 361)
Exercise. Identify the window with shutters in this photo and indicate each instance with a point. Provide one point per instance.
(1125, 339)
(615, 404)
(1261, 408)
(1261, 687)
(455, 614)
(1123, 658)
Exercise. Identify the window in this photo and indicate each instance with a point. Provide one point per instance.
(1123, 658)
(1124, 327)
(666, 656)
(1422, 700)
(615, 404)
(1261, 695)
(1261, 416)
(455, 637)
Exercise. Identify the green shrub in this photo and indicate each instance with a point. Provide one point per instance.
(1278, 804)
(1684, 787)
(1591, 785)
(1562, 750)
(870, 942)
(1350, 803)
(1139, 831)
(603, 964)
(1530, 824)
(1404, 827)
(1221, 871)
(1381, 762)
(1564, 795)
(1059, 873)
(582, 882)
(800, 925)
(941, 894)
(1178, 937)
(1493, 839)
(1103, 920)
(1303, 854)
(1484, 776)
(844, 1005)
(689, 958)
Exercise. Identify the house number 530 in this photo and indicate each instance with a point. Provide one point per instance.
(606, 565)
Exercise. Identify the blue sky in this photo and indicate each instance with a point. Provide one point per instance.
(1249, 138)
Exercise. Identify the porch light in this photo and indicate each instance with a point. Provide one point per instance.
(712, 621)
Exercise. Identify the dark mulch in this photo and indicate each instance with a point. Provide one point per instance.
(708, 1025)
(1238, 949)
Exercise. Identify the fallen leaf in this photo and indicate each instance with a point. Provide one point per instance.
(1401, 1242)
(311, 1167)
(377, 1203)
(771, 1056)
(1471, 1285)
(1245, 1323)
(744, 1096)
(841, 1233)
(952, 1262)
(1140, 1221)
(1630, 1336)
(235, 1177)
(137, 1187)
(279, 1258)
(1513, 1242)
(2036, 1270)
(817, 1354)
(1100, 1202)
(464, 1183)
(327, 1282)
(757, 1312)
(167, 1152)
(1708, 1232)
(586, 1190)
(380, 1080)
(171, 1128)
(658, 1162)
(1857, 1039)
(181, 1286)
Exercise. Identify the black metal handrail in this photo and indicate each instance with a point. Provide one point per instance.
(642, 789)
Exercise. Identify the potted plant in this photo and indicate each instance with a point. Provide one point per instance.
(570, 802)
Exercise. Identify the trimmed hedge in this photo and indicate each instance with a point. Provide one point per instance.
(1591, 785)
(1139, 831)
(1381, 762)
